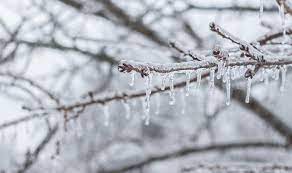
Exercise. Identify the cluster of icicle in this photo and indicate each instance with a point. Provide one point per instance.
(226, 73)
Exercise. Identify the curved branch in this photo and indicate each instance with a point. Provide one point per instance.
(197, 149)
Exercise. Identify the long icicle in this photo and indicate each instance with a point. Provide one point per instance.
(147, 98)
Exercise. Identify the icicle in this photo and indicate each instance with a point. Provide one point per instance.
(212, 79)
(228, 84)
(188, 75)
(283, 75)
(183, 103)
(276, 73)
(220, 69)
(106, 115)
(132, 82)
(262, 75)
(143, 103)
(226, 75)
(148, 90)
(163, 82)
(157, 104)
(266, 78)
(171, 92)
(127, 109)
(147, 98)
(261, 9)
(199, 78)
(241, 71)
(233, 73)
(248, 90)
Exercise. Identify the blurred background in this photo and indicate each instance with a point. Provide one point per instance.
(63, 52)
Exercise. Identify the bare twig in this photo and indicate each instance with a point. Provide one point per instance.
(31, 157)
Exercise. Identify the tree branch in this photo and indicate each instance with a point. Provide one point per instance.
(196, 149)
(31, 158)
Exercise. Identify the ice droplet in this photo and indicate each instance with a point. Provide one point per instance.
(248, 90)
(283, 75)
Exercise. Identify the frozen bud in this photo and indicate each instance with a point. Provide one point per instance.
(212, 26)
(249, 73)
(219, 53)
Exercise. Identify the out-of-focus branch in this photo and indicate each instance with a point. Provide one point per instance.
(32, 83)
(228, 168)
(196, 149)
(230, 8)
(273, 35)
(262, 112)
(194, 35)
(137, 26)
(100, 56)
(31, 157)
(23, 119)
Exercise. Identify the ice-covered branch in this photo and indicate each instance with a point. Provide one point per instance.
(93, 101)
(249, 50)
(146, 68)
(182, 51)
